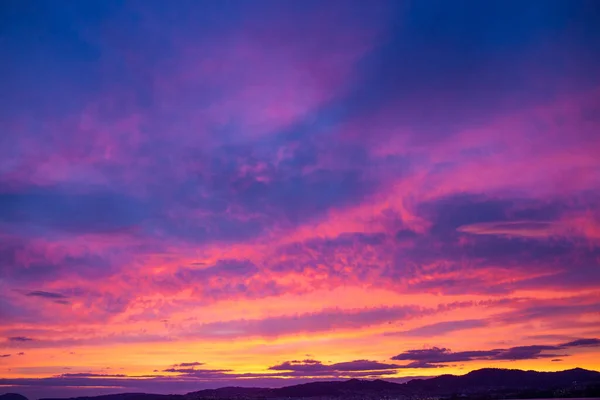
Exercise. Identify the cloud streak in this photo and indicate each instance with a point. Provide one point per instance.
(433, 357)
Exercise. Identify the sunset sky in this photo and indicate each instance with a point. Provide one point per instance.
(196, 194)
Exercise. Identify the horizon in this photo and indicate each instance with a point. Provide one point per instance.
(40, 393)
(204, 193)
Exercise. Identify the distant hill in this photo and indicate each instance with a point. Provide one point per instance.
(12, 396)
(483, 383)
(478, 381)
(489, 378)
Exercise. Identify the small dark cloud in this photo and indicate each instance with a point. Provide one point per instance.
(422, 364)
(304, 366)
(308, 366)
(362, 365)
(556, 360)
(19, 339)
(4, 355)
(189, 364)
(46, 295)
(438, 356)
(21, 354)
(582, 343)
(526, 353)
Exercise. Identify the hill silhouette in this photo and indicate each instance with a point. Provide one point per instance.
(481, 380)
(489, 382)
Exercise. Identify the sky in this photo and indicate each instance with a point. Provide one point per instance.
(197, 194)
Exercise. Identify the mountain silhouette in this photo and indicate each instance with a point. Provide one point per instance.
(493, 378)
(475, 381)
(483, 381)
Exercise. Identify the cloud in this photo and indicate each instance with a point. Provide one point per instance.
(4, 355)
(304, 366)
(19, 339)
(189, 364)
(362, 365)
(526, 353)
(314, 367)
(592, 342)
(46, 295)
(437, 356)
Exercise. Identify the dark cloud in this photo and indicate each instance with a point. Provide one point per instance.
(353, 368)
(582, 343)
(362, 365)
(527, 353)
(288, 369)
(436, 356)
(46, 295)
(4, 355)
(189, 364)
(21, 354)
(301, 366)
(19, 339)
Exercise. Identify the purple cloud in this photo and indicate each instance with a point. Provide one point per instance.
(582, 343)
(189, 364)
(19, 339)
(46, 295)
(437, 356)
